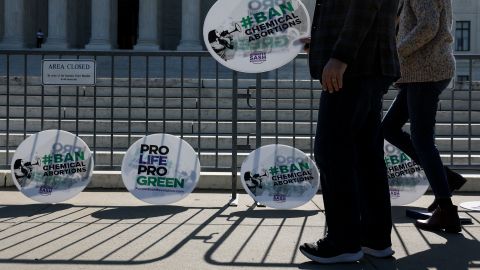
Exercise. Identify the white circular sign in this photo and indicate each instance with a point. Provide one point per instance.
(406, 178)
(255, 36)
(473, 206)
(52, 166)
(160, 169)
(280, 176)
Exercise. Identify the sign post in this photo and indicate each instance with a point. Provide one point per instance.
(254, 36)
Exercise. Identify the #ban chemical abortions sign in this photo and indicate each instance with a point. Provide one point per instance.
(255, 36)
(406, 178)
(160, 169)
(280, 176)
(52, 166)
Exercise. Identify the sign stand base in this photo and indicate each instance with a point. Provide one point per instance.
(233, 202)
(260, 205)
(472, 206)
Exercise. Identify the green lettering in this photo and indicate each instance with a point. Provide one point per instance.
(304, 166)
(68, 157)
(142, 180)
(394, 160)
(152, 181)
(404, 157)
(57, 158)
(287, 7)
(260, 17)
(273, 13)
(170, 182)
(79, 156)
(387, 161)
(180, 183)
(294, 168)
(284, 169)
(161, 182)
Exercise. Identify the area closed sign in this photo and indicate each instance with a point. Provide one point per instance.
(68, 72)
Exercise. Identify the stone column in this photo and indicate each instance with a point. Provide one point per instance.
(14, 36)
(57, 25)
(148, 26)
(190, 26)
(101, 26)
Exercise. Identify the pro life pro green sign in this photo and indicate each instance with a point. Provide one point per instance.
(256, 36)
(160, 169)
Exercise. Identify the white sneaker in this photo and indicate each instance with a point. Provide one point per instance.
(382, 253)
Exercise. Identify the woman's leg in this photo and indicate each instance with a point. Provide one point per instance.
(393, 122)
(422, 101)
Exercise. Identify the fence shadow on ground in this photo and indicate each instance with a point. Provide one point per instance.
(99, 235)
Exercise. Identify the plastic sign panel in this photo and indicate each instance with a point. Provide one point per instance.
(160, 169)
(52, 166)
(68, 72)
(255, 36)
(280, 176)
(406, 178)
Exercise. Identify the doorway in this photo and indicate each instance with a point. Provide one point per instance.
(127, 23)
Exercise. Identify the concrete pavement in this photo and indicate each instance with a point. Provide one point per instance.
(113, 230)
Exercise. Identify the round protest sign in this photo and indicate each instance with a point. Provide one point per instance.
(473, 206)
(406, 178)
(52, 166)
(280, 176)
(255, 36)
(160, 169)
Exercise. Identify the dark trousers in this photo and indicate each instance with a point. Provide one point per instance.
(418, 103)
(349, 153)
(39, 42)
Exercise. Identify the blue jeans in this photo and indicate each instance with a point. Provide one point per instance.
(418, 103)
(349, 153)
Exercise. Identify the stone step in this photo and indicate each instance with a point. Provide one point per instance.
(153, 92)
(223, 160)
(193, 102)
(447, 105)
(193, 114)
(224, 143)
(208, 180)
(105, 127)
(285, 90)
(156, 79)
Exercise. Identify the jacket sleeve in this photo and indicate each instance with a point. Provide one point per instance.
(427, 13)
(360, 17)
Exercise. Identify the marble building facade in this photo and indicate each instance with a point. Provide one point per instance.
(105, 24)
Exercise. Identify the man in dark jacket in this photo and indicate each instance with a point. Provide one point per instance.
(353, 53)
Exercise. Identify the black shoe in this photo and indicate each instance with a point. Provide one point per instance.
(323, 252)
(443, 219)
(455, 182)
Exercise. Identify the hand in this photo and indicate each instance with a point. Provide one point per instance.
(332, 77)
(306, 42)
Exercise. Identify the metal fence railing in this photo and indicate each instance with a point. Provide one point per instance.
(223, 114)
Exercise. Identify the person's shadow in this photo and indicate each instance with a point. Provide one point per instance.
(459, 253)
